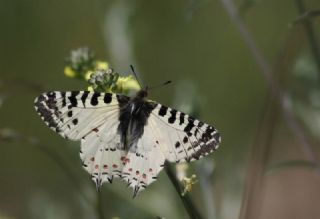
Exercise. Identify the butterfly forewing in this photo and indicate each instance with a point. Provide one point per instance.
(75, 114)
(184, 138)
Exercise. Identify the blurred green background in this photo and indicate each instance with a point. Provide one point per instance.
(267, 164)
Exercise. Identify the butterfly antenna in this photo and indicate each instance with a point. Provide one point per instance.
(135, 75)
(160, 85)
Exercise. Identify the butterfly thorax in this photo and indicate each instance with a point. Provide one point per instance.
(133, 118)
(141, 94)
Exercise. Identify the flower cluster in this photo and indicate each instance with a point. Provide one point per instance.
(188, 183)
(82, 64)
(110, 81)
(103, 80)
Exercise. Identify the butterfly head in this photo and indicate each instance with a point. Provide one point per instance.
(143, 93)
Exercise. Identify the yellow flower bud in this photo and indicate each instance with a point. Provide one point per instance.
(188, 183)
(108, 90)
(126, 84)
(87, 75)
(101, 65)
(181, 170)
(69, 72)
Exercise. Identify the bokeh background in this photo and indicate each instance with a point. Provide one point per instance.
(249, 67)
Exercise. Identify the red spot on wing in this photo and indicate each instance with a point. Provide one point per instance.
(95, 129)
(125, 160)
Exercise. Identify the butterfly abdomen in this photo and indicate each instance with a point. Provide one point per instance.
(133, 117)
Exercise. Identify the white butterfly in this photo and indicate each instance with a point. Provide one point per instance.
(124, 137)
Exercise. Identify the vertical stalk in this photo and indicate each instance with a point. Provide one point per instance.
(260, 153)
(100, 205)
(310, 34)
(274, 87)
(186, 200)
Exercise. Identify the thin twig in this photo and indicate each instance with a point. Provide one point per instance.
(310, 34)
(258, 158)
(54, 156)
(206, 180)
(100, 205)
(261, 150)
(306, 16)
(267, 72)
(21, 84)
(66, 169)
(69, 172)
(186, 200)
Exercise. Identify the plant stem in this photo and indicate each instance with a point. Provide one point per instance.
(310, 34)
(59, 161)
(275, 89)
(262, 147)
(69, 172)
(100, 205)
(260, 152)
(186, 200)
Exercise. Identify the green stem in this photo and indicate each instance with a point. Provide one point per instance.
(274, 87)
(59, 161)
(186, 199)
(310, 33)
(69, 172)
(100, 205)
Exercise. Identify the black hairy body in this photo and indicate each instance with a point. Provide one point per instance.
(134, 114)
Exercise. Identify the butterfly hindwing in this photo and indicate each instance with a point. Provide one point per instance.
(101, 152)
(144, 162)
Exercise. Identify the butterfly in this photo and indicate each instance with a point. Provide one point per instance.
(125, 137)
